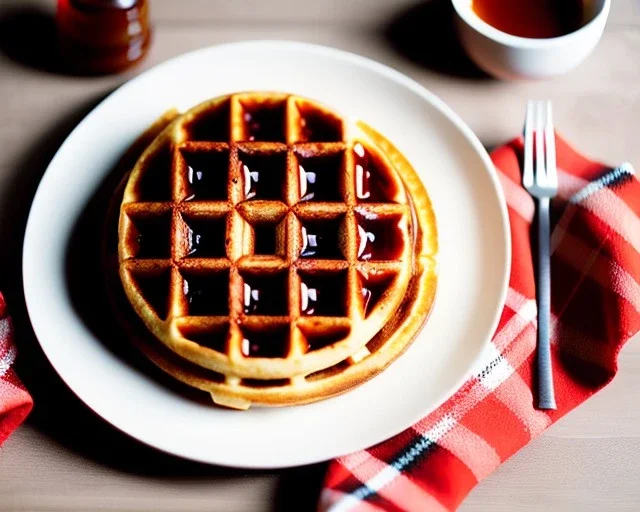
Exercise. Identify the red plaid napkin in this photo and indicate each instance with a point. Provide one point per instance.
(15, 402)
(595, 269)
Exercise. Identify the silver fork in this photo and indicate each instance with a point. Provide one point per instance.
(542, 185)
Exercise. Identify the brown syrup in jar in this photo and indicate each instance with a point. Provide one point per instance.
(103, 36)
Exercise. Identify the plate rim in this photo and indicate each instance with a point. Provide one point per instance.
(344, 55)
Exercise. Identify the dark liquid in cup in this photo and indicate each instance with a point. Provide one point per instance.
(537, 19)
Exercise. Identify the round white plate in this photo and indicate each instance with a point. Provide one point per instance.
(473, 273)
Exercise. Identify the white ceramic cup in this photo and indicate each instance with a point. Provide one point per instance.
(515, 58)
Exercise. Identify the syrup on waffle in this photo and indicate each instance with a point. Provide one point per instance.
(279, 254)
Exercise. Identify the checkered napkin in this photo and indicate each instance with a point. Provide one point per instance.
(15, 402)
(595, 272)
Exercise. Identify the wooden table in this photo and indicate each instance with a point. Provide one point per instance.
(64, 458)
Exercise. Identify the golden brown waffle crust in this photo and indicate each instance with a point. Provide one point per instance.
(309, 376)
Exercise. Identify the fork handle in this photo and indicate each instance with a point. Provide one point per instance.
(546, 398)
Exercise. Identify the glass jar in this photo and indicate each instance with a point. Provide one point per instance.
(102, 36)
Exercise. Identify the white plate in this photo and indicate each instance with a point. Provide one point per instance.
(474, 258)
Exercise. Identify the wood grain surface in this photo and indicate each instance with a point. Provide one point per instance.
(64, 458)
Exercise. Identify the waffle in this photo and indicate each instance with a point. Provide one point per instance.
(273, 253)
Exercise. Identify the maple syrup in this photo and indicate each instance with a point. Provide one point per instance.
(372, 183)
(214, 338)
(264, 123)
(321, 240)
(103, 36)
(373, 288)
(152, 237)
(265, 239)
(156, 289)
(207, 295)
(213, 127)
(268, 343)
(318, 340)
(323, 294)
(320, 178)
(263, 175)
(206, 175)
(266, 295)
(379, 238)
(206, 238)
(538, 19)
(155, 184)
(259, 383)
(318, 127)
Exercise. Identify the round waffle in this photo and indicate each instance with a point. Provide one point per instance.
(273, 252)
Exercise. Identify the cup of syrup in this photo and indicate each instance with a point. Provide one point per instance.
(530, 39)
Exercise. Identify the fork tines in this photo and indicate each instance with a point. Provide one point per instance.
(539, 137)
